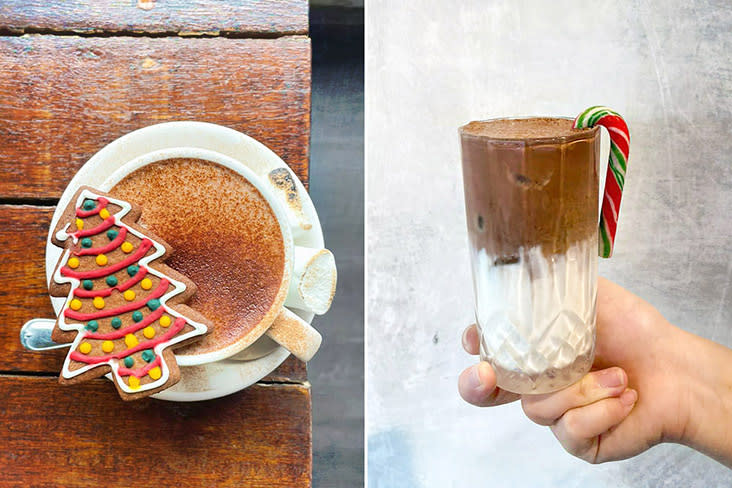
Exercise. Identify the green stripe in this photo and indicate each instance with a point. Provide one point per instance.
(619, 174)
(605, 247)
(591, 116)
(598, 116)
(581, 122)
(618, 177)
(619, 156)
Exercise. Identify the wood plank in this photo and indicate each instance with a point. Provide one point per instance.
(24, 295)
(87, 437)
(64, 98)
(245, 17)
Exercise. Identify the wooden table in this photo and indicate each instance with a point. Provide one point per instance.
(74, 77)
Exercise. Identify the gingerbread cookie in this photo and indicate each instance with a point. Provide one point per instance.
(124, 309)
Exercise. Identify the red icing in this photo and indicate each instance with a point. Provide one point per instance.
(160, 290)
(139, 373)
(118, 334)
(109, 222)
(157, 293)
(104, 249)
(105, 292)
(80, 212)
(174, 329)
(98, 273)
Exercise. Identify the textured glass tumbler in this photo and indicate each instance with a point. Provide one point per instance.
(531, 200)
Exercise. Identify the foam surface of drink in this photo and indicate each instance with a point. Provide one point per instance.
(537, 316)
(225, 238)
(528, 128)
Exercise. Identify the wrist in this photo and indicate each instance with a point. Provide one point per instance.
(706, 398)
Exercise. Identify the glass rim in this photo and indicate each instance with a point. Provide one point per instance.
(588, 133)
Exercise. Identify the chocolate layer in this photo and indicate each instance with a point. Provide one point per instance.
(226, 238)
(529, 182)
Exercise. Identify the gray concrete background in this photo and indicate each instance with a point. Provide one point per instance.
(434, 65)
(336, 187)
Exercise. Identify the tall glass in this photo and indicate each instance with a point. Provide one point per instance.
(531, 201)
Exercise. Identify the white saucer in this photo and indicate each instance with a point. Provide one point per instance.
(261, 358)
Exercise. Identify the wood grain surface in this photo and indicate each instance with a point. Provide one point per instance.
(244, 64)
(24, 295)
(245, 439)
(244, 17)
(63, 98)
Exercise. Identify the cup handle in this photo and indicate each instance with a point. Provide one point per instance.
(313, 280)
(295, 335)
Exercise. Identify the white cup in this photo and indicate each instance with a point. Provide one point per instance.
(309, 275)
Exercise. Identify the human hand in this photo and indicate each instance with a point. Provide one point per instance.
(636, 396)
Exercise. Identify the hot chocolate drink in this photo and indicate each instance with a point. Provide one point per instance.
(531, 198)
(531, 183)
(227, 240)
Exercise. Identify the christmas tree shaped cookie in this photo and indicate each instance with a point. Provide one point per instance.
(124, 310)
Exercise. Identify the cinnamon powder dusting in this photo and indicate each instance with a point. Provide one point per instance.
(225, 238)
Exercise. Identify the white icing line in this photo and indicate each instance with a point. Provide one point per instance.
(179, 287)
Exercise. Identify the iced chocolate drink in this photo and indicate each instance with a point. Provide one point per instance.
(531, 199)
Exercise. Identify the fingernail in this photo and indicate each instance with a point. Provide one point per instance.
(474, 378)
(629, 397)
(611, 378)
(465, 338)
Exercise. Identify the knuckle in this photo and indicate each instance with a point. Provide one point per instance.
(572, 424)
(534, 412)
(585, 386)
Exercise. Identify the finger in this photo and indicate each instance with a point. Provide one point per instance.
(471, 340)
(614, 443)
(579, 428)
(597, 385)
(477, 386)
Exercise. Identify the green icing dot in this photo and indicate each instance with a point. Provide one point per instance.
(86, 242)
(87, 284)
(137, 316)
(129, 362)
(112, 234)
(112, 280)
(116, 322)
(148, 355)
(92, 325)
(89, 204)
(132, 270)
(153, 304)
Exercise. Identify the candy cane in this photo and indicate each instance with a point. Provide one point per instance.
(617, 165)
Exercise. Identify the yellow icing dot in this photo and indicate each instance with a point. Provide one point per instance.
(79, 224)
(107, 346)
(98, 302)
(75, 304)
(165, 321)
(148, 332)
(73, 262)
(127, 246)
(134, 382)
(104, 213)
(129, 295)
(85, 348)
(131, 340)
(101, 259)
(155, 373)
(146, 284)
